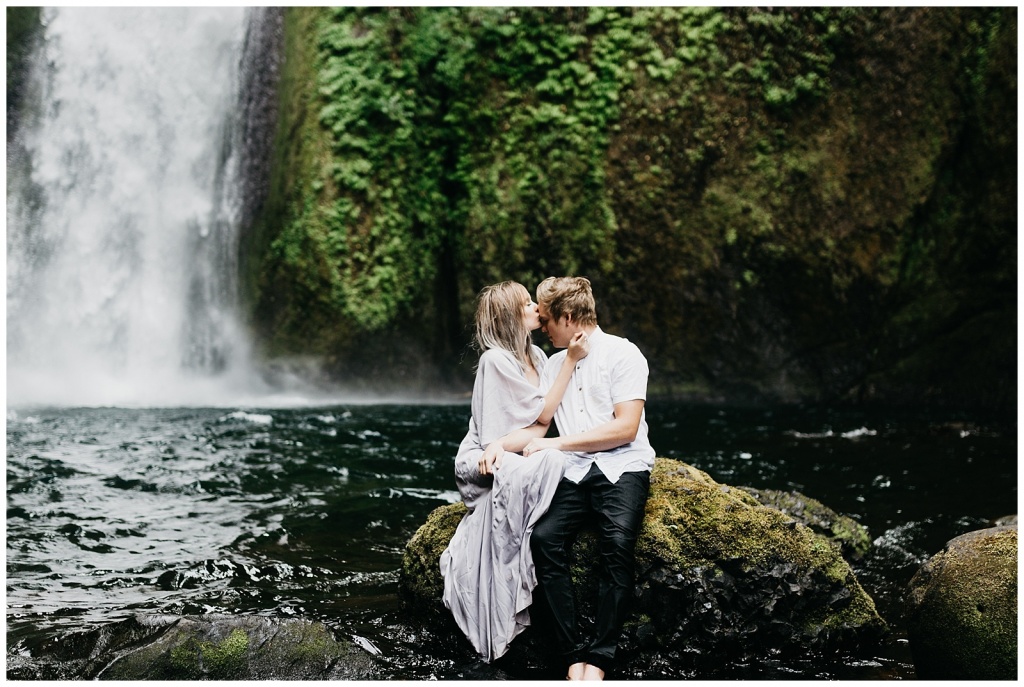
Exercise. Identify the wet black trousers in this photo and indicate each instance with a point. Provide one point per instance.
(616, 512)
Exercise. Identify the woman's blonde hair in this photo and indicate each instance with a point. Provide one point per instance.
(568, 295)
(499, 320)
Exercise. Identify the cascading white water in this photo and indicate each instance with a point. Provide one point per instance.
(122, 214)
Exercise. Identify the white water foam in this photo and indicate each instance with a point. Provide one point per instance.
(121, 286)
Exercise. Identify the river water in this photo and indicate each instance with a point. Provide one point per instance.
(304, 511)
(124, 204)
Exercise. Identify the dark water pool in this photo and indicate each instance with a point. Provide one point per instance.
(304, 512)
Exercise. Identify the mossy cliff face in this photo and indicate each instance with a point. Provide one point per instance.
(789, 204)
(718, 575)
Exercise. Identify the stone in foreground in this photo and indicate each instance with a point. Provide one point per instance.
(962, 609)
(161, 647)
(718, 574)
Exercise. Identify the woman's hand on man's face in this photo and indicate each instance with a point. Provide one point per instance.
(579, 346)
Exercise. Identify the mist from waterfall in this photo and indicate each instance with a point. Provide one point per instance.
(122, 212)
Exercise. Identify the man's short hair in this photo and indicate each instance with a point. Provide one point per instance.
(568, 296)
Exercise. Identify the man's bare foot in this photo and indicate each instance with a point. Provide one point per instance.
(576, 671)
(592, 673)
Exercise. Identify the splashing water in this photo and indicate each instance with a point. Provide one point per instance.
(122, 211)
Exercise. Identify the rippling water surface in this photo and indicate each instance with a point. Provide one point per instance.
(304, 512)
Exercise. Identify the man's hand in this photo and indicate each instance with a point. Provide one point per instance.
(491, 459)
(539, 444)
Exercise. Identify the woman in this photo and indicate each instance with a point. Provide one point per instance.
(488, 568)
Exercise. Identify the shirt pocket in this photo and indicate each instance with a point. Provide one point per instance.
(599, 395)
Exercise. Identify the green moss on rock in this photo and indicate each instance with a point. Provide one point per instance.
(218, 659)
(962, 616)
(692, 520)
(694, 523)
(849, 534)
(421, 583)
(226, 648)
(716, 570)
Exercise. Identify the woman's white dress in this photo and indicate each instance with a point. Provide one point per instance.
(488, 569)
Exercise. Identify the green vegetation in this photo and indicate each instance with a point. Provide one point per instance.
(789, 203)
(24, 27)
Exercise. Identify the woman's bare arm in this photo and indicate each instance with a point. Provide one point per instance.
(618, 432)
(514, 441)
(578, 349)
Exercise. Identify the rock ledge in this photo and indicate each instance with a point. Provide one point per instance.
(718, 574)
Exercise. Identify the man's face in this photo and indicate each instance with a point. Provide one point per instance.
(560, 331)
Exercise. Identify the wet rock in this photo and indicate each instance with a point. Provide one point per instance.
(962, 609)
(161, 647)
(850, 535)
(719, 575)
(76, 655)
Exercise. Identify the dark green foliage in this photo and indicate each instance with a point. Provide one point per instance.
(23, 30)
(23, 27)
(795, 203)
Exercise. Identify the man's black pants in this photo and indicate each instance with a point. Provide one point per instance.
(617, 511)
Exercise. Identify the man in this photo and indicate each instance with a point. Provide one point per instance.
(603, 434)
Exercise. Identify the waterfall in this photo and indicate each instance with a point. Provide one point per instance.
(123, 205)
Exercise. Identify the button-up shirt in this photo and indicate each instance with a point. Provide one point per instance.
(614, 371)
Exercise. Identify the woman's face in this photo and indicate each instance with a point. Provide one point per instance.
(531, 318)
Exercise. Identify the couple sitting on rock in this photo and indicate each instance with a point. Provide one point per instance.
(528, 495)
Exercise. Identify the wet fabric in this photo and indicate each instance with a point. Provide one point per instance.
(488, 568)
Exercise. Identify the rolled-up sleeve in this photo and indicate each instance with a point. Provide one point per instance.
(628, 377)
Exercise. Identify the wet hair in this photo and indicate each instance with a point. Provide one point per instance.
(499, 320)
(568, 296)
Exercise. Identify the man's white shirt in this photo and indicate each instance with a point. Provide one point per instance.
(613, 372)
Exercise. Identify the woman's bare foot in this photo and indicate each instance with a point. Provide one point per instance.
(576, 671)
(592, 673)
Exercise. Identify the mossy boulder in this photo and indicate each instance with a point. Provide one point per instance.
(962, 609)
(851, 536)
(421, 584)
(718, 575)
(161, 647)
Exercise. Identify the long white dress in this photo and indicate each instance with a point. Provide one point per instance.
(488, 568)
